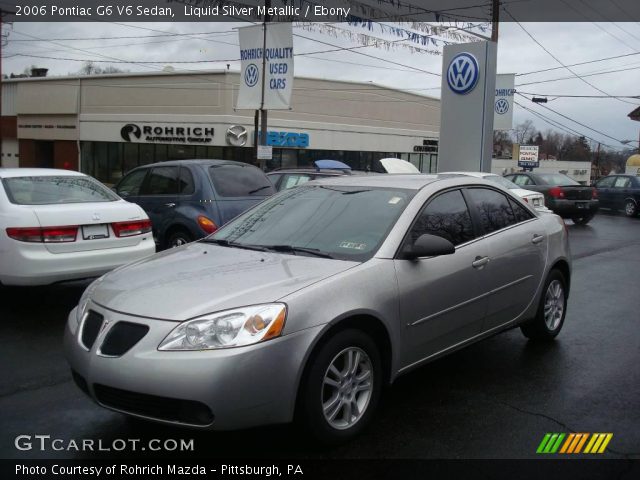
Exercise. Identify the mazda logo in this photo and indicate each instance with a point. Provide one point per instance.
(237, 136)
(128, 130)
(502, 106)
(463, 73)
(251, 75)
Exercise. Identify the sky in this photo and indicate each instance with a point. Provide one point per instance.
(603, 119)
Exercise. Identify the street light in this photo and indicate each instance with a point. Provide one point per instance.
(627, 142)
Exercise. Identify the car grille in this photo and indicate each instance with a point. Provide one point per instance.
(91, 328)
(162, 408)
(121, 337)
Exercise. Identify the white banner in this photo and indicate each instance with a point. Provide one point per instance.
(278, 79)
(503, 103)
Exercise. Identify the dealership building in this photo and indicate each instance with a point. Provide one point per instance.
(105, 125)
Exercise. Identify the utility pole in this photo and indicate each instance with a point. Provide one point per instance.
(495, 20)
(263, 112)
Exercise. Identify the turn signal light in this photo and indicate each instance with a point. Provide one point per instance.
(207, 224)
(556, 192)
(129, 229)
(594, 193)
(44, 234)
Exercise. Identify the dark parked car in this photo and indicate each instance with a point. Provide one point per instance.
(188, 199)
(286, 178)
(620, 192)
(562, 194)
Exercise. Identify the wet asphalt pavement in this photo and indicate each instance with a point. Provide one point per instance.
(495, 399)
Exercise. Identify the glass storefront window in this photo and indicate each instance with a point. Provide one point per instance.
(130, 156)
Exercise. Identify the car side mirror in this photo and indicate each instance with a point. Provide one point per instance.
(428, 246)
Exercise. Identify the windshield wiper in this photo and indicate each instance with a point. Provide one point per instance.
(227, 243)
(258, 189)
(292, 249)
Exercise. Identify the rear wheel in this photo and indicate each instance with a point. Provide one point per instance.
(630, 208)
(551, 312)
(342, 387)
(178, 238)
(583, 220)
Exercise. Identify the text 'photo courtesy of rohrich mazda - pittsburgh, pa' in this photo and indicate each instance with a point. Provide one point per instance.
(320, 239)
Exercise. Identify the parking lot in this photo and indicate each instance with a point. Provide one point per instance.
(496, 399)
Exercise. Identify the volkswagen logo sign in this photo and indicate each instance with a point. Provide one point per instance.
(463, 73)
(251, 75)
(502, 106)
(237, 136)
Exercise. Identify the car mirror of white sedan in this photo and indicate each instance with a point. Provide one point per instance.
(428, 246)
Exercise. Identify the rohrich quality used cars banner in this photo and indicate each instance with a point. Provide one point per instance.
(276, 56)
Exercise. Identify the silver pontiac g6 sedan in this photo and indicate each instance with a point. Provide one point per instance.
(305, 306)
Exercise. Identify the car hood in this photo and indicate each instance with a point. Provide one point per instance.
(202, 278)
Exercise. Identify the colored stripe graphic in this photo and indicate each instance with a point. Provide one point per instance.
(573, 444)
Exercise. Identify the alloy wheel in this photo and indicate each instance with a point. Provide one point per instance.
(554, 305)
(347, 388)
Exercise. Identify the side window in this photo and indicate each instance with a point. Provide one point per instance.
(294, 180)
(493, 207)
(521, 213)
(446, 216)
(622, 182)
(161, 181)
(130, 185)
(186, 185)
(522, 180)
(606, 182)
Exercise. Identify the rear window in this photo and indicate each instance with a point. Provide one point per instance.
(49, 190)
(240, 181)
(557, 179)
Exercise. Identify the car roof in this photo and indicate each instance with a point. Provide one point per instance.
(38, 172)
(406, 181)
(308, 170)
(470, 174)
(196, 161)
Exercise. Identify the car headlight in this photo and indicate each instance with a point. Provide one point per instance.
(230, 328)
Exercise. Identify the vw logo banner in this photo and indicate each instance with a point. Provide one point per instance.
(278, 75)
(503, 104)
(463, 73)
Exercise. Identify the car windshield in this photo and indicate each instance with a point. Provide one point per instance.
(348, 223)
(506, 183)
(556, 179)
(49, 190)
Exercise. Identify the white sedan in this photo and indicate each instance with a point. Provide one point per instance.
(535, 199)
(58, 225)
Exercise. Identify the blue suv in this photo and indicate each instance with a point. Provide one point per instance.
(188, 199)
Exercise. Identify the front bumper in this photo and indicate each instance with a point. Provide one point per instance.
(574, 208)
(241, 387)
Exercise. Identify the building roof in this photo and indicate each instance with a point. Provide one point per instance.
(635, 115)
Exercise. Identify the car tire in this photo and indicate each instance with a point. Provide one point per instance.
(552, 309)
(582, 220)
(177, 238)
(341, 388)
(630, 208)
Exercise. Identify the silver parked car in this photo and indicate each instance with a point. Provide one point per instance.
(305, 306)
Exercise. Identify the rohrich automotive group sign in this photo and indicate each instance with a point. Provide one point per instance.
(167, 133)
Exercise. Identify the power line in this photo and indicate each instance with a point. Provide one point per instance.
(573, 76)
(572, 120)
(579, 96)
(559, 61)
(578, 64)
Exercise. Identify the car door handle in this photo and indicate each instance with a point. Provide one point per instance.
(537, 239)
(480, 262)
(169, 205)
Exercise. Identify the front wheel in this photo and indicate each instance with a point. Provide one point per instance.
(342, 388)
(630, 208)
(551, 312)
(178, 238)
(583, 220)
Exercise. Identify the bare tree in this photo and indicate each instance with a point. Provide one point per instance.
(524, 131)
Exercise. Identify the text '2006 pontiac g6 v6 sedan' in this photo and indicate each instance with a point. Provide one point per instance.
(305, 306)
